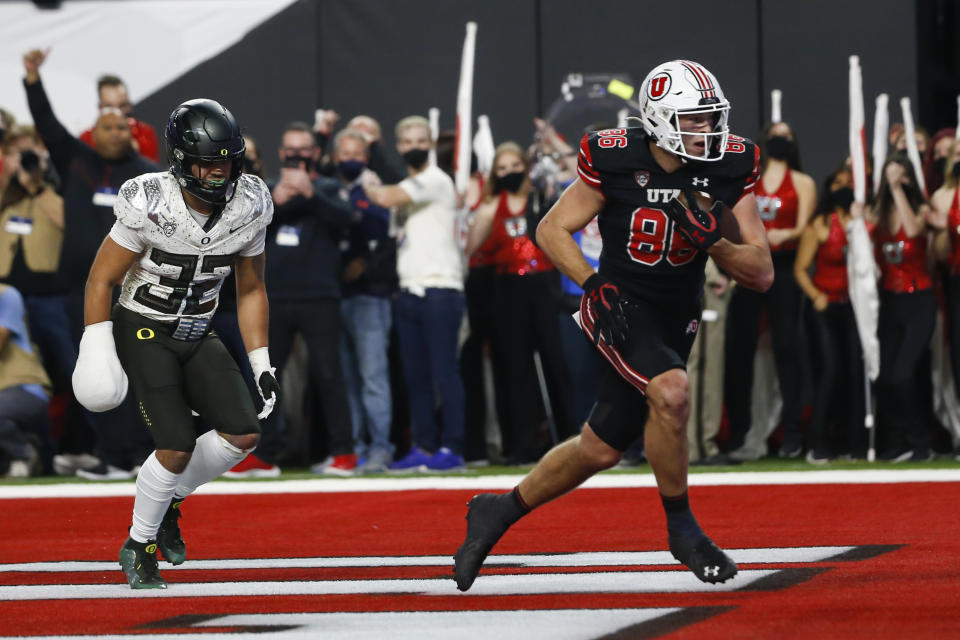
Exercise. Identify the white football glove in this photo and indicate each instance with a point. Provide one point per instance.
(265, 377)
(99, 381)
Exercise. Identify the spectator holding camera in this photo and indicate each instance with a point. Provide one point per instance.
(303, 273)
(31, 234)
(429, 309)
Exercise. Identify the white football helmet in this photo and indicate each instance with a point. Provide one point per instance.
(682, 87)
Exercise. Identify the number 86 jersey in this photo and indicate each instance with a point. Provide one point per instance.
(642, 251)
(184, 256)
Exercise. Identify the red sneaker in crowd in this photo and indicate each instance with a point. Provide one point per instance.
(342, 465)
(253, 467)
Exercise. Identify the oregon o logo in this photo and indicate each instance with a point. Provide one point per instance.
(223, 152)
(151, 548)
(144, 334)
(659, 86)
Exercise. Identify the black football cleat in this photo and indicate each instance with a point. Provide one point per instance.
(139, 563)
(169, 540)
(486, 523)
(707, 561)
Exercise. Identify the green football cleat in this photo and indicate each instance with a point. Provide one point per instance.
(169, 540)
(139, 563)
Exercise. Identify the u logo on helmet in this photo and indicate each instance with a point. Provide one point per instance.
(659, 86)
(144, 334)
(224, 152)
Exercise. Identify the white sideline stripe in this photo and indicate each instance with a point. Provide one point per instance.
(558, 624)
(579, 559)
(601, 481)
(490, 585)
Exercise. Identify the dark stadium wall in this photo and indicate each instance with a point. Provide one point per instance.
(268, 79)
(805, 51)
(389, 59)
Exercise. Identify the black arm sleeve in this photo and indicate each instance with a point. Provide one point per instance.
(59, 142)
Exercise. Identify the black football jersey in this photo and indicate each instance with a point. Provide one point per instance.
(642, 252)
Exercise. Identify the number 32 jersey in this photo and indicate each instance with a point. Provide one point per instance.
(183, 262)
(642, 251)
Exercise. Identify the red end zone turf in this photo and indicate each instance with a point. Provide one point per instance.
(901, 581)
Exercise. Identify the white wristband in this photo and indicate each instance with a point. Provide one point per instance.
(259, 361)
(100, 327)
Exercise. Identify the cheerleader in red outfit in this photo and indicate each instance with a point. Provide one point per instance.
(836, 344)
(526, 303)
(786, 199)
(907, 313)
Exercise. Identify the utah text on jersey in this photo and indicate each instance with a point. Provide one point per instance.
(643, 252)
(183, 265)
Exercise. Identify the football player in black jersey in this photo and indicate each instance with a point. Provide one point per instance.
(668, 194)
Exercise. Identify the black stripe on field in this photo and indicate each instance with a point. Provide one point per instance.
(190, 620)
(784, 579)
(864, 552)
(665, 624)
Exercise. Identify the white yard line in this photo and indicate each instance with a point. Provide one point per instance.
(602, 481)
(576, 559)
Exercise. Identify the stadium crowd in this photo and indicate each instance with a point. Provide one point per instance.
(409, 336)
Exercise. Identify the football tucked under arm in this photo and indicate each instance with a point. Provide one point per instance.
(729, 227)
(702, 220)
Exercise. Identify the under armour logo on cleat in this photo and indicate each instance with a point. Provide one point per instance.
(711, 571)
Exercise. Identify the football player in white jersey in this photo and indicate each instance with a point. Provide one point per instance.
(178, 234)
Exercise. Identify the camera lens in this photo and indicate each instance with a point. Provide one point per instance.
(29, 160)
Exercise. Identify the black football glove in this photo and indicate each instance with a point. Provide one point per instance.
(611, 316)
(269, 390)
(701, 228)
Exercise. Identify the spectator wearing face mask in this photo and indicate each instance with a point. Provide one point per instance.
(91, 179)
(526, 297)
(907, 314)
(368, 281)
(786, 199)
(429, 309)
(381, 162)
(303, 276)
(836, 344)
(114, 98)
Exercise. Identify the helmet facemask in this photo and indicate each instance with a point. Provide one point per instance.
(670, 137)
(208, 190)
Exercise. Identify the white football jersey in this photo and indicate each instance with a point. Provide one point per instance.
(182, 266)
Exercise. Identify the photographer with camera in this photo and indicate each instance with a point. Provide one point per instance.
(303, 274)
(31, 234)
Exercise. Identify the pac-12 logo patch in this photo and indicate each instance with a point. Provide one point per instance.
(642, 178)
(659, 86)
(169, 228)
